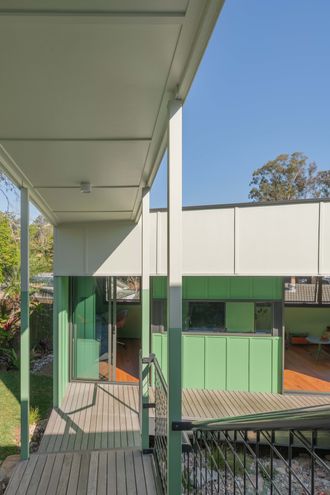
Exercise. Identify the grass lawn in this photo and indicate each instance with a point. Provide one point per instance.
(41, 398)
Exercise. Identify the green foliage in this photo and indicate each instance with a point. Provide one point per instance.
(289, 177)
(35, 416)
(9, 247)
(41, 246)
(11, 356)
(41, 403)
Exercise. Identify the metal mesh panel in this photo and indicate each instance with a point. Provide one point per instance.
(160, 445)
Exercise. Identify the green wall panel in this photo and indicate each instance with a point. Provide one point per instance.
(208, 287)
(267, 288)
(60, 338)
(312, 321)
(195, 288)
(216, 362)
(277, 378)
(261, 365)
(238, 364)
(159, 287)
(84, 307)
(240, 317)
(87, 363)
(241, 288)
(221, 362)
(193, 375)
(219, 287)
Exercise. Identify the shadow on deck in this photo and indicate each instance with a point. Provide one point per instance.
(92, 443)
(91, 446)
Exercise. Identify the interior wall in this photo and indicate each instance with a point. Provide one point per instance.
(311, 321)
(133, 323)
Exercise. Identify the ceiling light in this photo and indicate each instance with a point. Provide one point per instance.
(85, 187)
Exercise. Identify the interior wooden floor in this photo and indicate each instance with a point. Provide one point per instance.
(303, 372)
(127, 369)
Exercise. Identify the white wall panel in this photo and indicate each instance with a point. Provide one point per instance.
(280, 239)
(208, 241)
(325, 238)
(98, 248)
(244, 240)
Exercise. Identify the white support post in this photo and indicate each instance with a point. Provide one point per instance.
(25, 330)
(144, 413)
(174, 295)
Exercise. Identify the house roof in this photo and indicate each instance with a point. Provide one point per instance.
(84, 88)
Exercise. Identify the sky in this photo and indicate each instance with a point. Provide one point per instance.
(262, 89)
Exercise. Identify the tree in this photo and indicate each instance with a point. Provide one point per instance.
(41, 246)
(9, 247)
(289, 177)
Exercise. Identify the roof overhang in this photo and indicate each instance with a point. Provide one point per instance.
(84, 89)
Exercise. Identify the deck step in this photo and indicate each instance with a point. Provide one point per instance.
(106, 472)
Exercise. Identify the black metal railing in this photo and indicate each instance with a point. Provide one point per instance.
(160, 407)
(282, 452)
(229, 458)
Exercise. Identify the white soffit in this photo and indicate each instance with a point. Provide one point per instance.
(84, 87)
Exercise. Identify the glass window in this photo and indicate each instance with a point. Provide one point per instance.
(205, 316)
(264, 317)
(158, 315)
(128, 288)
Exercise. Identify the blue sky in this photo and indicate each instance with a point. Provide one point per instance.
(262, 89)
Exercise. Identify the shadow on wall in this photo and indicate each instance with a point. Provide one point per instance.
(98, 248)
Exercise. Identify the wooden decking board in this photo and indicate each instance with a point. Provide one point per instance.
(91, 444)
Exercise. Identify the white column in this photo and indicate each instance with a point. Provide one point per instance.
(25, 329)
(145, 294)
(174, 294)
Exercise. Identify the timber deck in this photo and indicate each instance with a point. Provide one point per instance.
(92, 443)
(91, 446)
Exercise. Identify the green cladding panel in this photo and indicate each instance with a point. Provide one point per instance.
(227, 362)
(87, 347)
(225, 288)
(61, 338)
(240, 316)
(84, 307)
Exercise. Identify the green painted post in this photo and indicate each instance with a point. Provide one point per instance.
(56, 344)
(25, 330)
(174, 296)
(144, 414)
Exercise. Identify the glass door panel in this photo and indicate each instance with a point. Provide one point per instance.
(90, 328)
(106, 333)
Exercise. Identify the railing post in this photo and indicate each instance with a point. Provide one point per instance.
(25, 329)
(145, 293)
(174, 295)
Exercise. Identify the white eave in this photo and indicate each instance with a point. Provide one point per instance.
(84, 88)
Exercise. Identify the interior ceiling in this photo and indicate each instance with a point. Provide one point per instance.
(84, 88)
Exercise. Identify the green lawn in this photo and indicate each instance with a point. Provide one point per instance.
(41, 398)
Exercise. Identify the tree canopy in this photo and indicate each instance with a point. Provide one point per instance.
(9, 247)
(289, 177)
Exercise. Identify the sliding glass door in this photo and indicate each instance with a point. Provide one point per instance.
(98, 316)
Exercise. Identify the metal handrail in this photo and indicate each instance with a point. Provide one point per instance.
(317, 416)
